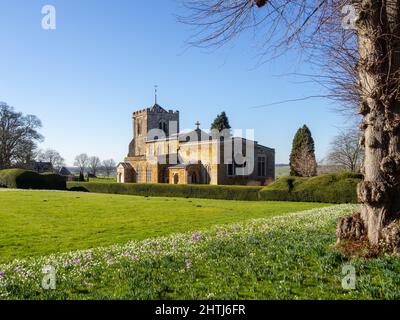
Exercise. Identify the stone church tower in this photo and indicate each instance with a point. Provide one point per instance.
(148, 119)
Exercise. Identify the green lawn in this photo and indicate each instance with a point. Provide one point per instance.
(35, 223)
(283, 257)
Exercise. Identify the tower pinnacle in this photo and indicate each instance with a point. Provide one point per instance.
(155, 94)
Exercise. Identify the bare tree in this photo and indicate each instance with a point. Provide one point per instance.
(25, 153)
(94, 165)
(109, 166)
(82, 161)
(51, 156)
(18, 137)
(346, 150)
(360, 58)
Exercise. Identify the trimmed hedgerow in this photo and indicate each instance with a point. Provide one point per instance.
(53, 181)
(25, 179)
(19, 178)
(170, 190)
(330, 188)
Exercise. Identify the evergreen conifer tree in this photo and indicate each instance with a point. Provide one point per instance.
(221, 122)
(302, 157)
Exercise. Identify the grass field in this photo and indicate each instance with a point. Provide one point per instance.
(35, 223)
(282, 171)
(281, 257)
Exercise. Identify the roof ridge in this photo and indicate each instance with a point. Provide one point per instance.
(157, 108)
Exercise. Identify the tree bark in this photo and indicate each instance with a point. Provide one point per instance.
(378, 71)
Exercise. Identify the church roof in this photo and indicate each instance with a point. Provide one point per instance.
(64, 172)
(125, 165)
(157, 108)
(194, 136)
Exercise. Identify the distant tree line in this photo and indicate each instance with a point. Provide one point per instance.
(92, 165)
(51, 156)
(346, 151)
(18, 137)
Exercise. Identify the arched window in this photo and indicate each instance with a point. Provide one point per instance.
(139, 128)
(148, 174)
(163, 126)
(261, 167)
(193, 178)
(139, 175)
(164, 175)
(206, 173)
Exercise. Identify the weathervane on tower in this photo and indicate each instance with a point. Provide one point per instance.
(155, 93)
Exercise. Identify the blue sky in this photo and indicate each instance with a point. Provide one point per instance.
(84, 79)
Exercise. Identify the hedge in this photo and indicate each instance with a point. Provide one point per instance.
(330, 188)
(53, 181)
(25, 179)
(170, 190)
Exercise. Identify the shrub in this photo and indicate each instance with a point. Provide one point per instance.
(25, 179)
(19, 178)
(169, 190)
(54, 181)
(330, 188)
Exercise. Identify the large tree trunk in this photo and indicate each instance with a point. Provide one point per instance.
(379, 72)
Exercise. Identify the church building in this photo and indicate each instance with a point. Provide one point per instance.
(159, 153)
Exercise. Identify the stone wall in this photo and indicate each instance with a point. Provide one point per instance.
(155, 118)
(125, 174)
(140, 132)
(253, 178)
(211, 156)
(180, 173)
(146, 120)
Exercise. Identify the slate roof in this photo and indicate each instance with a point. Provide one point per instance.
(125, 165)
(193, 136)
(158, 108)
(41, 166)
(64, 172)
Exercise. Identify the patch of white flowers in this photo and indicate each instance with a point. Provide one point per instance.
(70, 267)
